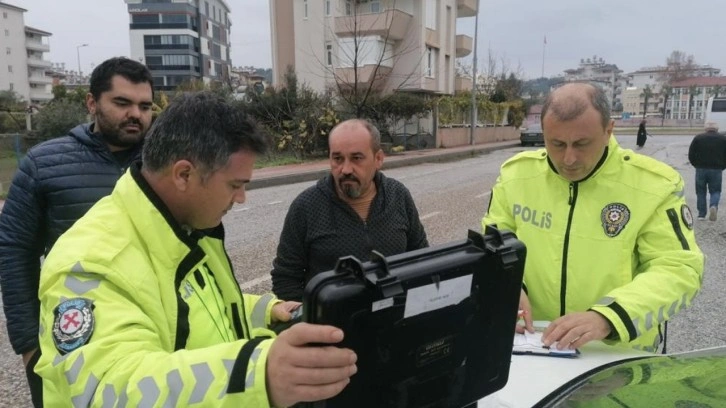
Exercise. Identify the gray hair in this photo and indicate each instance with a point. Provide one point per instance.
(711, 125)
(571, 108)
(203, 128)
(368, 126)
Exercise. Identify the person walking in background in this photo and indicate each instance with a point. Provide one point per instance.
(57, 182)
(707, 154)
(351, 211)
(642, 135)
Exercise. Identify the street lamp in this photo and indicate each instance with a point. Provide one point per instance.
(78, 54)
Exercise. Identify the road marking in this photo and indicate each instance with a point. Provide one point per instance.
(429, 215)
(274, 202)
(254, 282)
(488, 193)
(241, 209)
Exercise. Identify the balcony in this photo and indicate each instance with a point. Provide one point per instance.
(366, 75)
(38, 95)
(39, 63)
(462, 84)
(463, 45)
(40, 80)
(466, 8)
(390, 23)
(37, 46)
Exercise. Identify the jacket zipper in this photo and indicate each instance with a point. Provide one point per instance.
(571, 201)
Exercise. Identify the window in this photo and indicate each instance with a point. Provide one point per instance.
(5, 14)
(348, 8)
(375, 7)
(12, 86)
(206, 8)
(7, 33)
(145, 18)
(329, 54)
(305, 8)
(429, 62)
(327, 7)
(7, 50)
(174, 18)
(431, 14)
(10, 68)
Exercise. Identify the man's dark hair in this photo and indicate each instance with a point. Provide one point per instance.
(133, 71)
(201, 127)
(571, 108)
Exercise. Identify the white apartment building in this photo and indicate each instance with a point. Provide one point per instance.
(680, 105)
(599, 73)
(393, 45)
(23, 69)
(181, 40)
(653, 76)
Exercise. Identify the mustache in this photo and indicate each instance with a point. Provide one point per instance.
(349, 177)
(132, 122)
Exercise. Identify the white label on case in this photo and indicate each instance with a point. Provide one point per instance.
(381, 304)
(432, 297)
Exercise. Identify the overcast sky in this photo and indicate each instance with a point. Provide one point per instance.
(629, 33)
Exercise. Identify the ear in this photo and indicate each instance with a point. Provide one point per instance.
(378, 157)
(91, 103)
(609, 129)
(182, 173)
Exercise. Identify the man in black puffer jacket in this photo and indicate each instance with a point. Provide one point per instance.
(57, 182)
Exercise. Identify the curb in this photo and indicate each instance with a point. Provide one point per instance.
(391, 162)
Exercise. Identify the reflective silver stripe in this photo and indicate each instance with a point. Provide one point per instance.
(78, 268)
(41, 329)
(678, 193)
(123, 399)
(684, 301)
(80, 287)
(149, 392)
(228, 365)
(635, 322)
(175, 384)
(250, 380)
(203, 375)
(259, 311)
(606, 301)
(59, 359)
(660, 314)
(648, 321)
(84, 400)
(109, 396)
(672, 309)
(75, 370)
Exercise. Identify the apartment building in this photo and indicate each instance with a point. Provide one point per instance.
(24, 69)
(599, 73)
(181, 40)
(653, 76)
(689, 97)
(392, 45)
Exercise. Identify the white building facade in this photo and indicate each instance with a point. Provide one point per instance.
(24, 68)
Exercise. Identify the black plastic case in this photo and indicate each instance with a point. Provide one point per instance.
(432, 327)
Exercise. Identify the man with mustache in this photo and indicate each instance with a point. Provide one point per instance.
(57, 182)
(352, 211)
(611, 253)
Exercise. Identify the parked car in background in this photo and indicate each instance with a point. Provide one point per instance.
(531, 135)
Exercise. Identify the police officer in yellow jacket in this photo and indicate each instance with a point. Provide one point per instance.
(139, 303)
(611, 252)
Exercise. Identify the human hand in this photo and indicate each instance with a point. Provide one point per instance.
(281, 312)
(298, 372)
(526, 313)
(574, 330)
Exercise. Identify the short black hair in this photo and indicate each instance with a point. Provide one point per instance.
(201, 127)
(133, 71)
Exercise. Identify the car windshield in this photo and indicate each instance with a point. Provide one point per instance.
(695, 379)
(535, 127)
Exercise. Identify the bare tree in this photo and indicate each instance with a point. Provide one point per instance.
(679, 66)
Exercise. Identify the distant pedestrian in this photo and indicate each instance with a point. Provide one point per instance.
(642, 134)
(707, 154)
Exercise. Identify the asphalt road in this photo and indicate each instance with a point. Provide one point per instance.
(451, 198)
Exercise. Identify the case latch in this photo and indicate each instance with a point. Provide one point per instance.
(387, 283)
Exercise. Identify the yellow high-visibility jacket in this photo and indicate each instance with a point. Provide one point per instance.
(137, 311)
(620, 242)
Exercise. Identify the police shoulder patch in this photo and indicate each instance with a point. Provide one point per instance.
(614, 217)
(687, 216)
(73, 324)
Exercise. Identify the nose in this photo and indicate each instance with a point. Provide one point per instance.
(346, 168)
(570, 157)
(240, 196)
(133, 111)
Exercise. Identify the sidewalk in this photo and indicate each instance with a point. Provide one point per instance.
(298, 173)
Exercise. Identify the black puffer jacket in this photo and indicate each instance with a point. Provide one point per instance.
(56, 183)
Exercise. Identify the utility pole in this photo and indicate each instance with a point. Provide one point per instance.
(474, 109)
(78, 55)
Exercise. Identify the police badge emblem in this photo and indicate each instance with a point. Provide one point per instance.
(687, 216)
(73, 324)
(614, 217)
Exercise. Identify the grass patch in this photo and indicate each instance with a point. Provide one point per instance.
(8, 165)
(281, 160)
